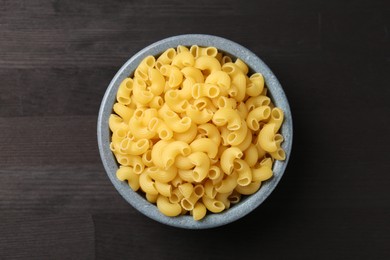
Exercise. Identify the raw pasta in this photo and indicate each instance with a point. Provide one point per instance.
(194, 132)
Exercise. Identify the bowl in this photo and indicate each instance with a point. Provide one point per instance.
(275, 92)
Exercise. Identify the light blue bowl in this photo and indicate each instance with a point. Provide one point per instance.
(249, 203)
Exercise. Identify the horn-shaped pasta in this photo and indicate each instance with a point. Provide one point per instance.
(127, 173)
(256, 115)
(266, 138)
(199, 116)
(124, 91)
(183, 59)
(202, 165)
(172, 150)
(193, 73)
(205, 145)
(228, 157)
(167, 208)
(227, 116)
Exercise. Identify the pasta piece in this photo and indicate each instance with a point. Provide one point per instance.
(213, 205)
(221, 79)
(167, 56)
(147, 158)
(239, 81)
(276, 118)
(202, 165)
(210, 131)
(205, 145)
(140, 93)
(204, 90)
(225, 102)
(242, 110)
(193, 73)
(157, 151)
(115, 122)
(173, 121)
(189, 203)
(208, 51)
(142, 69)
(138, 147)
(266, 138)
(251, 155)
(186, 175)
(163, 188)
(236, 137)
(209, 189)
(172, 150)
(235, 197)
(151, 198)
(147, 184)
(256, 86)
(249, 189)
(185, 93)
(228, 157)
(223, 197)
(157, 82)
(187, 136)
(183, 59)
(176, 196)
(156, 125)
(124, 91)
(195, 51)
(167, 208)
(199, 190)
(127, 173)
(258, 101)
(175, 77)
(160, 175)
(244, 172)
(199, 116)
(186, 189)
(124, 112)
(256, 115)
(214, 173)
(134, 161)
(175, 102)
(227, 116)
(183, 163)
(262, 173)
(243, 67)
(228, 184)
(199, 211)
(182, 48)
(207, 64)
(279, 154)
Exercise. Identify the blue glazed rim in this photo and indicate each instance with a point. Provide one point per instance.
(275, 91)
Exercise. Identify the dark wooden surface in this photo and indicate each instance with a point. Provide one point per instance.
(56, 60)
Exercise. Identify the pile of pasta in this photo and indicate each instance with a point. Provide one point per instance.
(194, 132)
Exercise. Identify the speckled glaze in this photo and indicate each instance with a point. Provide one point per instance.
(140, 203)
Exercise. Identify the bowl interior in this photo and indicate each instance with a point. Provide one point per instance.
(275, 92)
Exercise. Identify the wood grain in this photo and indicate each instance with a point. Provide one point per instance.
(57, 59)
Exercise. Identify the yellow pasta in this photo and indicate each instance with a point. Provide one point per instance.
(205, 145)
(124, 91)
(199, 211)
(194, 131)
(228, 157)
(227, 116)
(256, 115)
(168, 208)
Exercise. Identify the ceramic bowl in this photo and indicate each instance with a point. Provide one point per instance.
(249, 203)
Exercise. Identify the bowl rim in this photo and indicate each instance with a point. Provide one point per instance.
(244, 207)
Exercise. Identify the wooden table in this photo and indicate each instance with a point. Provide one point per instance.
(56, 60)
